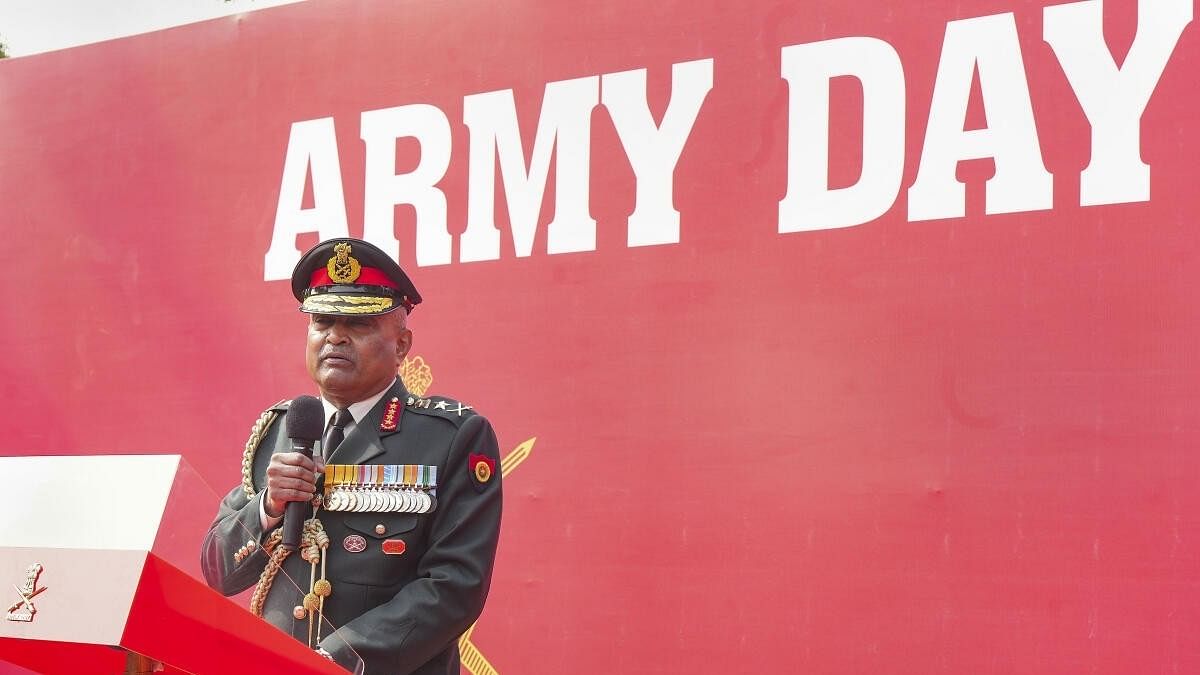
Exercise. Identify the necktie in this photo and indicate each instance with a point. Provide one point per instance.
(336, 431)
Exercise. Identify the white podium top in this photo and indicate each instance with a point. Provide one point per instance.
(111, 502)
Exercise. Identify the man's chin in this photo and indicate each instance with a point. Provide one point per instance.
(336, 380)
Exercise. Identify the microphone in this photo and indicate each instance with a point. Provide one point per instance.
(305, 422)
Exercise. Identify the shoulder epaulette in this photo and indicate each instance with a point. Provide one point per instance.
(440, 406)
(257, 432)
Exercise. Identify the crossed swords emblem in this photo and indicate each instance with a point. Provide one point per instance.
(24, 609)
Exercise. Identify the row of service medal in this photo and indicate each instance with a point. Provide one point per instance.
(378, 499)
(395, 488)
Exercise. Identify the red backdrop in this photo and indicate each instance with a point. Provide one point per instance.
(963, 445)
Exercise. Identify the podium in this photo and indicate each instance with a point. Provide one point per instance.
(99, 573)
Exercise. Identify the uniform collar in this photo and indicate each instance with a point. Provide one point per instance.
(363, 441)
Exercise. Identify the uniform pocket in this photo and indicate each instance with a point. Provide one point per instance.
(381, 525)
(376, 549)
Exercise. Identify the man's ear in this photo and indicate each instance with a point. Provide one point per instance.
(403, 345)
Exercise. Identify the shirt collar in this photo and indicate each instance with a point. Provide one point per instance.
(357, 410)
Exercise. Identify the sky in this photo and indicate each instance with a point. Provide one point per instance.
(34, 26)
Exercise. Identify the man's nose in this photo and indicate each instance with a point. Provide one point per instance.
(336, 333)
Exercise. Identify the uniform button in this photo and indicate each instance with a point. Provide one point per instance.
(380, 529)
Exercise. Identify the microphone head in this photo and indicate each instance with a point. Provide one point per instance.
(305, 418)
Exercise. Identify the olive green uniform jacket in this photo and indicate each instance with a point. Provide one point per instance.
(399, 613)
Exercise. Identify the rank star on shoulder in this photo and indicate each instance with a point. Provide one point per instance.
(441, 405)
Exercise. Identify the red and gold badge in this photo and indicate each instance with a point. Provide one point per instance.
(394, 546)
(391, 415)
(482, 468)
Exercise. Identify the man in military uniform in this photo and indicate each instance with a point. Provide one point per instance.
(405, 494)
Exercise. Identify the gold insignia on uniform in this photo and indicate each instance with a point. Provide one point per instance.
(342, 267)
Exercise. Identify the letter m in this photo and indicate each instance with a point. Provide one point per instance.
(565, 128)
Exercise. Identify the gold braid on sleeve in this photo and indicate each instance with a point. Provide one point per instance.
(256, 435)
(278, 553)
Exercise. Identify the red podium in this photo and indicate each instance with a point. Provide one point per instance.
(99, 565)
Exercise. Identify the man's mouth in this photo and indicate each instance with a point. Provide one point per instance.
(336, 359)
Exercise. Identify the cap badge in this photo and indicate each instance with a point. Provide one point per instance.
(342, 268)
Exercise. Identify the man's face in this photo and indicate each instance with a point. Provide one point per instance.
(353, 357)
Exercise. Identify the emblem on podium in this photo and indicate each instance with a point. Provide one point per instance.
(24, 609)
